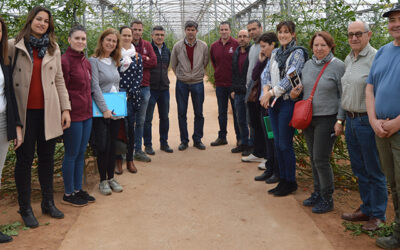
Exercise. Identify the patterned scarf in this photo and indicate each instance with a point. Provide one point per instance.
(40, 44)
(282, 56)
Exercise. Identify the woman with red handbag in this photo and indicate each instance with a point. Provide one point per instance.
(322, 79)
(276, 88)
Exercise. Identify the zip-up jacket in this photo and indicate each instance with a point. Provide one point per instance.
(159, 75)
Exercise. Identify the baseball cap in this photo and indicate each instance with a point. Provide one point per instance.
(394, 9)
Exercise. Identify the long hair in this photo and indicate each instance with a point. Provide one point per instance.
(4, 43)
(116, 54)
(26, 31)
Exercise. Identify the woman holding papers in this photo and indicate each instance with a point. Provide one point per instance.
(77, 75)
(327, 119)
(43, 106)
(105, 79)
(276, 91)
(131, 72)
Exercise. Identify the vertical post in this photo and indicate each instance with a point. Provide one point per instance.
(233, 14)
(215, 15)
(263, 13)
(102, 6)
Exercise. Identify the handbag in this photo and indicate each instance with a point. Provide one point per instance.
(302, 113)
(255, 92)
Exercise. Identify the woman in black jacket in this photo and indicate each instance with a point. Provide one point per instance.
(10, 125)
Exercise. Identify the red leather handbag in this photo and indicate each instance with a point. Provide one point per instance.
(302, 113)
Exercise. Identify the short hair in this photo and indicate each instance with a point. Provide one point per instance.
(254, 21)
(124, 27)
(366, 25)
(191, 23)
(225, 22)
(136, 21)
(269, 37)
(289, 24)
(75, 28)
(158, 27)
(116, 54)
(327, 38)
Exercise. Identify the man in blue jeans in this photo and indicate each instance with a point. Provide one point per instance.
(188, 61)
(149, 58)
(221, 54)
(360, 136)
(159, 93)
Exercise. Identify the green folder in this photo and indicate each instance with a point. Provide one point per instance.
(268, 127)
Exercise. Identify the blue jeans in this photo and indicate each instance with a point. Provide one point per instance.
(182, 97)
(364, 158)
(76, 139)
(241, 118)
(161, 98)
(223, 97)
(140, 117)
(280, 116)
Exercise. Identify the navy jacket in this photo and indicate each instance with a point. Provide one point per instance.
(239, 79)
(159, 75)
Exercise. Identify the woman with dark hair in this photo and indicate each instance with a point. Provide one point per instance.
(78, 76)
(105, 79)
(43, 106)
(10, 125)
(276, 89)
(131, 72)
(327, 119)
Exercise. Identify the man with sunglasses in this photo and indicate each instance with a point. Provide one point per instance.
(360, 136)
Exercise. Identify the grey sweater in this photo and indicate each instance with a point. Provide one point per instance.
(104, 76)
(328, 94)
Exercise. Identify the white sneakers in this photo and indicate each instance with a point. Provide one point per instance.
(107, 186)
(252, 158)
(261, 166)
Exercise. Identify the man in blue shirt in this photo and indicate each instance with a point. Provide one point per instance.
(382, 95)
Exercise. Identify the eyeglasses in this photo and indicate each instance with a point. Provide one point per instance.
(357, 34)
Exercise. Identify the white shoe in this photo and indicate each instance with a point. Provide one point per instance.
(104, 188)
(261, 166)
(252, 158)
(115, 186)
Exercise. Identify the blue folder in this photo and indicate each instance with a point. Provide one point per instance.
(116, 102)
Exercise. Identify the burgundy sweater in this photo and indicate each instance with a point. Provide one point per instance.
(78, 76)
(146, 50)
(221, 59)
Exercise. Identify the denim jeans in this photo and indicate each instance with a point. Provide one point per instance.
(223, 97)
(161, 98)
(320, 142)
(140, 117)
(76, 139)
(364, 158)
(182, 97)
(280, 116)
(241, 118)
(389, 156)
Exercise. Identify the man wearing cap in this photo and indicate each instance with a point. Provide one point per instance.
(382, 100)
(360, 137)
(188, 61)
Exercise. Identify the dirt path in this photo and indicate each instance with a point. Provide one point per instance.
(190, 200)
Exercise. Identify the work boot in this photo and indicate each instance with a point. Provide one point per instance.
(131, 167)
(324, 205)
(118, 167)
(48, 207)
(28, 217)
(390, 242)
(288, 188)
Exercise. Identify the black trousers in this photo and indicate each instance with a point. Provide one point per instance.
(105, 135)
(34, 137)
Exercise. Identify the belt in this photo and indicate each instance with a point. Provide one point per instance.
(355, 114)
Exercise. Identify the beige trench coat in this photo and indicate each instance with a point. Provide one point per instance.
(56, 97)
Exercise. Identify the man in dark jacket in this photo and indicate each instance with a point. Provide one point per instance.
(159, 92)
(240, 64)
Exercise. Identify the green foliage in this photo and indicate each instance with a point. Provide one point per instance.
(356, 229)
(11, 229)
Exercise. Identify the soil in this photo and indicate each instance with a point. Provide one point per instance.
(190, 200)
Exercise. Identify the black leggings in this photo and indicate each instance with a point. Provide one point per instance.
(105, 134)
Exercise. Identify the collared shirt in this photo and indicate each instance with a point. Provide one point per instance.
(190, 44)
(354, 79)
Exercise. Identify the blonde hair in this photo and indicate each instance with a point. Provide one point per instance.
(116, 54)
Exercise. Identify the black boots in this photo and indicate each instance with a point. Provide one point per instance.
(49, 208)
(28, 217)
(284, 188)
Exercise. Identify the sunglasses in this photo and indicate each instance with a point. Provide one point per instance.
(357, 34)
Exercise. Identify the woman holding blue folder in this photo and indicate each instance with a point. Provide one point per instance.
(105, 79)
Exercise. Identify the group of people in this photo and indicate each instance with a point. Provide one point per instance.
(45, 95)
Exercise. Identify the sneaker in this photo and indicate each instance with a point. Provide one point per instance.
(312, 200)
(104, 188)
(115, 186)
(252, 158)
(74, 200)
(323, 206)
(246, 152)
(149, 150)
(390, 242)
(85, 196)
(262, 166)
(219, 142)
(141, 156)
(5, 238)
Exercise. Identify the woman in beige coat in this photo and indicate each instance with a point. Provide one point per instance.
(43, 106)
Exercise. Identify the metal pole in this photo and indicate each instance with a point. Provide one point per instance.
(263, 13)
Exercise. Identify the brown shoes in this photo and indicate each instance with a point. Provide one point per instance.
(373, 224)
(356, 216)
(118, 167)
(131, 167)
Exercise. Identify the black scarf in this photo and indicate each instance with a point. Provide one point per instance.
(282, 55)
(41, 44)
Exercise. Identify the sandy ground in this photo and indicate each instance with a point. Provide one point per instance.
(190, 200)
